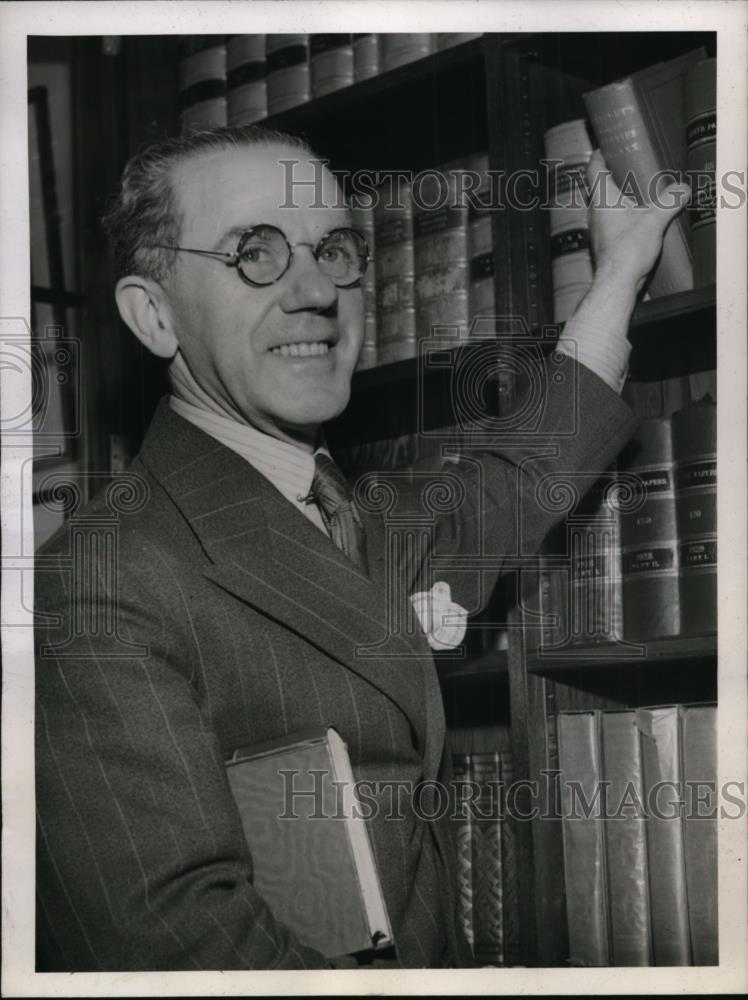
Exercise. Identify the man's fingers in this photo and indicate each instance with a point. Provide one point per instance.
(674, 197)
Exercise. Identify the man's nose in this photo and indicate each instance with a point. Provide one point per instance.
(305, 286)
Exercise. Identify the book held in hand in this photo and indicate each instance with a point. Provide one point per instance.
(312, 859)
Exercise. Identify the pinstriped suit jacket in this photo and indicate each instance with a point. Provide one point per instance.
(238, 621)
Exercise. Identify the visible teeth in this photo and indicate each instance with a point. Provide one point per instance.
(302, 350)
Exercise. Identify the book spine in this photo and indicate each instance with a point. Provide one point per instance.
(584, 848)
(512, 891)
(700, 778)
(288, 81)
(632, 152)
(465, 834)
(398, 49)
(695, 453)
(660, 743)
(440, 255)
(651, 606)
(331, 63)
(202, 82)
(596, 592)
(362, 219)
(481, 291)
(701, 157)
(568, 148)
(487, 863)
(365, 56)
(626, 841)
(393, 234)
(246, 93)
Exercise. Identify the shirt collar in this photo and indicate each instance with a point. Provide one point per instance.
(288, 467)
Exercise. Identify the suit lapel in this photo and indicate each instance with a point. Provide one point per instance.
(265, 552)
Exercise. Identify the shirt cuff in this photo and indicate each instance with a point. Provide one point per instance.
(608, 358)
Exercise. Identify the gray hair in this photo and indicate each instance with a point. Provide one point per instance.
(144, 211)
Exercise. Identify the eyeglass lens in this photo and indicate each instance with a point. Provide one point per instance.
(264, 254)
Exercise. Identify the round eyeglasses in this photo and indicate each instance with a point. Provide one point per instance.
(264, 254)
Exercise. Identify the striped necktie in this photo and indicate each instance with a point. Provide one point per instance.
(335, 501)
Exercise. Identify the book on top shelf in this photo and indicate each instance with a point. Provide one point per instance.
(701, 158)
(639, 123)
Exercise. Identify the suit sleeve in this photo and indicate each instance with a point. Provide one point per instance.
(141, 859)
(511, 482)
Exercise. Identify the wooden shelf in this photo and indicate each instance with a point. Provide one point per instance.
(601, 657)
(425, 112)
(651, 319)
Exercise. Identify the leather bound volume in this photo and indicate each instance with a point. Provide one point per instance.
(639, 123)
(701, 158)
(595, 593)
(568, 147)
(661, 758)
(651, 606)
(393, 233)
(288, 80)
(312, 859)
(465, 834)
(583, 837)
(481, 294)
(246, 93)
(440, 254)
(695, 453)
(699, 735)
(626, 841)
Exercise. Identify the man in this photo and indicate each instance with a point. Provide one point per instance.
(241, 607)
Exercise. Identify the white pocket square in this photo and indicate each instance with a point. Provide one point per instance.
(443, 621)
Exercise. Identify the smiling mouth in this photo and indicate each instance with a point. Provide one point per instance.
(315, 349)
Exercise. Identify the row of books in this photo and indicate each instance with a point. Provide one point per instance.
(487, 872)
(432, 243)
(636, 558)
(241, 79)
(654, 126)
(639, 818)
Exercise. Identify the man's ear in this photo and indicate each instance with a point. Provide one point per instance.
(143, 306)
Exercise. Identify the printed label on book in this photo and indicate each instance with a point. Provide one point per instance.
(701, 129)
(650, 560)
(570, 241)
(696, 474)
(651, 481)
(698, 554)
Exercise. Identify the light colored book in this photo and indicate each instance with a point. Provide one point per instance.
(313, 862)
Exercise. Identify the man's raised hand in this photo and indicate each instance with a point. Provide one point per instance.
(626, 238)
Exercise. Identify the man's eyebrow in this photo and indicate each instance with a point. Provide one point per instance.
(235, 233)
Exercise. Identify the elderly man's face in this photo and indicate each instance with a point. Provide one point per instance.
(230, 332)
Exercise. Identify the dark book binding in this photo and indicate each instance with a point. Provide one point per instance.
(650, 558)
(701, 158)
(640, 125)
(695, 454)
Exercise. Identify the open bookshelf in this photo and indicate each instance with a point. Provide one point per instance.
(500, 93)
